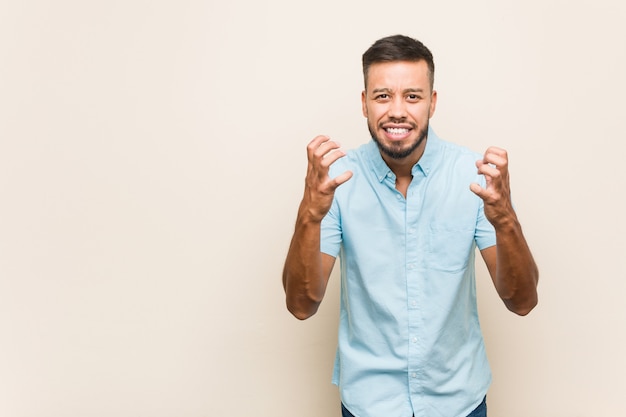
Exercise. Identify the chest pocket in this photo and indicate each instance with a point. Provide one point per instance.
(449, 250)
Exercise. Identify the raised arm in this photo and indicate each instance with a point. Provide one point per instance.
(510, 262)
(307, 270)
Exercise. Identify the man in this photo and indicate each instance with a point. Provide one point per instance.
(405, 213)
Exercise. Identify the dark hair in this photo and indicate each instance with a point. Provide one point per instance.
(398, 48)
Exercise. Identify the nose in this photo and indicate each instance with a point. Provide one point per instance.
(397, 108)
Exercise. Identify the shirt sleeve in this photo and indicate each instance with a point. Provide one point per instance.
(330, 239)
(485, 234)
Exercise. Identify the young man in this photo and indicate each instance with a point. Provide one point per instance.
(405, 212)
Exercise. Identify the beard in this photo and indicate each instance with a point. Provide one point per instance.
(396, 152)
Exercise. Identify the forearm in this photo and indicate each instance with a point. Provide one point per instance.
(307, 270)
(516, 274)
(304, 279)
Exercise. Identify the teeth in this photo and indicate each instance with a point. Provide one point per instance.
(397, 130)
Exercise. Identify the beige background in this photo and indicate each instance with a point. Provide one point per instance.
(152, 156)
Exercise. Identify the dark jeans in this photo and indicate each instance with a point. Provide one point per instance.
(480, 411)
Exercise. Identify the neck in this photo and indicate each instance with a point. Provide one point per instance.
(403, 167)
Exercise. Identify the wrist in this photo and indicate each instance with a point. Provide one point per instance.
(506, 223)
(310, 215)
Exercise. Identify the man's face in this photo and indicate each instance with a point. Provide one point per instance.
(398, 103)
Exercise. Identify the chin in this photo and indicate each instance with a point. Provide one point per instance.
(399, 149)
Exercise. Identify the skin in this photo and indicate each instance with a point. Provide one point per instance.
(398, 103)
(399, 96)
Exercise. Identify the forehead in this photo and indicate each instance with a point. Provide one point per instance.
(398, 75)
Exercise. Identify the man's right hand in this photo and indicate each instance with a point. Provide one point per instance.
(319, 187)
(307, 269)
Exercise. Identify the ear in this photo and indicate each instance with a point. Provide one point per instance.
(363, 103)
(433, 103)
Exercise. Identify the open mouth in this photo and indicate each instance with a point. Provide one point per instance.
(397, 133)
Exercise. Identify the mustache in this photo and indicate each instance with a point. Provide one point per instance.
(396, 121)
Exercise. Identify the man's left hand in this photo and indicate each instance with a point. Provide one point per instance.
(497, 192)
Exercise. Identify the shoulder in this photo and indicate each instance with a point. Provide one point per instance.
(457, 150)
(355, 160)
(455, 162)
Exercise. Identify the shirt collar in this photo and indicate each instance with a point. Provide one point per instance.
(425, 164)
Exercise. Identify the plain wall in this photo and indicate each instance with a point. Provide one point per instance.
(152, 158)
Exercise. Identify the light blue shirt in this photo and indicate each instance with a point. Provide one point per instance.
(409, 337)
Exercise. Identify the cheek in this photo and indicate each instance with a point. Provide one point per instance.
(423, 112)
(430, 109)
(364, 104)
(374, 111)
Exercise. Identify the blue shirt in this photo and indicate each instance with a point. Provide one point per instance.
(409, 338)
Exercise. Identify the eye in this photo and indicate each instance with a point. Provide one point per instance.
(381, 96)
(413, 97)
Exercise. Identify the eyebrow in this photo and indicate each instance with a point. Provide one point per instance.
(388, 90)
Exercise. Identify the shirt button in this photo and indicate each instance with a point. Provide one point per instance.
(414, 340)
(413, 303)
(413, 375)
